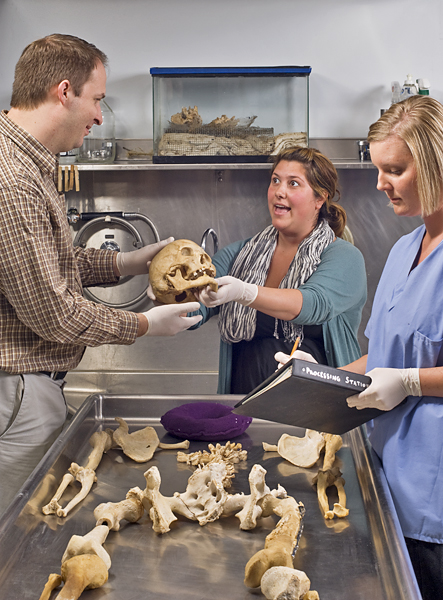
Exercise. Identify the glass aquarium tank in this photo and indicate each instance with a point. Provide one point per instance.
(228, 114)
(99, 146)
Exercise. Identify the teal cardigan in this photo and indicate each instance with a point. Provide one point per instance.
(333, 297)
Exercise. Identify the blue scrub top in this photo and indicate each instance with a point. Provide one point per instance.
(406, 330)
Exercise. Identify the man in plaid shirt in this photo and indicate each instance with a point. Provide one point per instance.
(45, 322)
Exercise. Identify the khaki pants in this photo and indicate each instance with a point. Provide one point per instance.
(32, 413)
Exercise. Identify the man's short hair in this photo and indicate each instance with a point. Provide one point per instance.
(46, 62)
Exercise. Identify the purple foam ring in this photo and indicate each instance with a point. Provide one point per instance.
(204, 421)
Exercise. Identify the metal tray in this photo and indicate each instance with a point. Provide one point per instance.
(360, 557)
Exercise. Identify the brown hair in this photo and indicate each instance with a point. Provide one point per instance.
(323, 179)
(48, 61)
(418, 121)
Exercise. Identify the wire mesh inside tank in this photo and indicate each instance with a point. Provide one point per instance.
(216, 141)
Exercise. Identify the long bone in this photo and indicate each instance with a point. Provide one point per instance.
(91, 543)
(140, 445)
(53, 505)
(279, 544)
(54, 580)
(86, 478)
(329, 476)
(101, 442)
(325, 479)
(112, 513)
(333, 443)
(340, 509)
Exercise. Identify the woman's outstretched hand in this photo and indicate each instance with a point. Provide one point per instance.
(230, 289)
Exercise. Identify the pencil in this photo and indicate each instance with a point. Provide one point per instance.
(295, 346)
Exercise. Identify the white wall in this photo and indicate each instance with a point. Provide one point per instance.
(355, 48)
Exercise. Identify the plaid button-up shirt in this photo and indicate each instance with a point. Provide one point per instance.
(45, 322)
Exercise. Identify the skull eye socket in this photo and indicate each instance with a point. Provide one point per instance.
(186, 251)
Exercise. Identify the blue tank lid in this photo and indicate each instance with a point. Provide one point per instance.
(229, 71)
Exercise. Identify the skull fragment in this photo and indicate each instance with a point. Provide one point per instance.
(178, 270)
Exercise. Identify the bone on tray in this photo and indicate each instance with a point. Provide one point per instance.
(85, 562)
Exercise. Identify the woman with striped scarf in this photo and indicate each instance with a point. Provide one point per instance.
(296, 278)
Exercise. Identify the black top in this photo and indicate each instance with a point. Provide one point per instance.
(253, 361)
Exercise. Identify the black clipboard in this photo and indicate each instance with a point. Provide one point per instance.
(309, 395)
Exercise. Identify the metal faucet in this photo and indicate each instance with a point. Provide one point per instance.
(214, 236)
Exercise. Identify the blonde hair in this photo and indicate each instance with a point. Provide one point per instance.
(323, 179)
(48, 61)
(418, 121)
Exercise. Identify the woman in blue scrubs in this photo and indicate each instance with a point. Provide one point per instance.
(405, 331)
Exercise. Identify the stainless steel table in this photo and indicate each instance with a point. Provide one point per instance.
(360, 557)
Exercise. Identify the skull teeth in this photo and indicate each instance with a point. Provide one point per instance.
(199, 273)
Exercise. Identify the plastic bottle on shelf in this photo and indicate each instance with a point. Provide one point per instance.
(423, 87)
(396, 91)
(409, 88)
(99, 145)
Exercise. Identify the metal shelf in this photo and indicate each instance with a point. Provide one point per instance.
(128, 165)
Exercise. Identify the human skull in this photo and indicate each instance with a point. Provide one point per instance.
(178, 270)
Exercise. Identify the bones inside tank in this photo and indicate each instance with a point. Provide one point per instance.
(222, 137)
(229, 114)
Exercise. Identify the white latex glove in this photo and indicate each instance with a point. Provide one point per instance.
(388, 388)
(283, 358)
(170, 319)
(137, 262)
(150, 293)
(229, 289)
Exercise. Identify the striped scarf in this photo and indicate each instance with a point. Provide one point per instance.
(237, 322)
